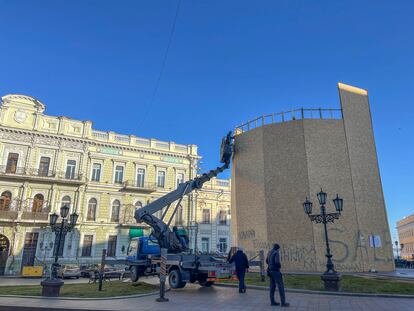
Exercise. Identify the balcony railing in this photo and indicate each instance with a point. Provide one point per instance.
(296, 114)
(22, 172)
(35, 216)
(8, 215)
(138, 186)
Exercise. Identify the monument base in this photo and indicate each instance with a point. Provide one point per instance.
(51, 287)
(332, 281)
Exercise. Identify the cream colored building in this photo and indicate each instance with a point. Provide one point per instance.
(405, 228)
(50, 161)
(213, 217)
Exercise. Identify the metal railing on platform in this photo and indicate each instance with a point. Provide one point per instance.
(296, 114)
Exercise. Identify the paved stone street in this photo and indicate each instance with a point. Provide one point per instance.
(195, 298)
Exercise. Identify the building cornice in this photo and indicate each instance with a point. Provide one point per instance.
(90, 142)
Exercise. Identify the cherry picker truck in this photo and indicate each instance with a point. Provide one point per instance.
(143, 254)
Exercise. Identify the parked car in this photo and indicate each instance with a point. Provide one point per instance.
(68, 271)
(112, 272)
(88, 270)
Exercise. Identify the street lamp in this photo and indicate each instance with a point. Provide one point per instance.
(331, 278)
(51, 286)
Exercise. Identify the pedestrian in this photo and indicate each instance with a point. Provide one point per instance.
(276, 278)
(242, 264)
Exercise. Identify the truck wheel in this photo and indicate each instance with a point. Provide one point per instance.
(134, 273)
(175, 279)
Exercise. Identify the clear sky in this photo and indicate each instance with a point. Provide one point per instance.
(228, 61)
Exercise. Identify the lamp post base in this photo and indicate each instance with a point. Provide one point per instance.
(332, 281)
(51, 287)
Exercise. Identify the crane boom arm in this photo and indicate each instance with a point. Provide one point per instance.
(161, 230)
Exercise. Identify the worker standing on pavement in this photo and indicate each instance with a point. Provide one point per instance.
(242, 264)
(276, 278)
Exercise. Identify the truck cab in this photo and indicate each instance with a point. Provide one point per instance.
(141, 247)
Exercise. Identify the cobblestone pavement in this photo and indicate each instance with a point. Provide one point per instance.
(195, 298)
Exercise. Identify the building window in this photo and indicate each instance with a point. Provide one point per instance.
(66, 201)
(87, 245)
(112, 246)
(70, 169)
(138, 204)
(161, 179)
(44, 166)
(180, 178)
(12, 160)
(61, 245)
(140, 177)
(205, 245)
(5, 201)
(37, 203)
(222, 218)
(222, 245)
(119, 174)
(179, 215)
(206, 216)
(96, 172)
(92, 209)
(115, 211)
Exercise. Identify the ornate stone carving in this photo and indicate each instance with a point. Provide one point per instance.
(47, 141)
(73, 144)
(72, 154)
(15, 137)
(47, 152)
(20, 116)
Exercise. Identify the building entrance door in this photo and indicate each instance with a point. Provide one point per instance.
(4, 252)
(29, 250)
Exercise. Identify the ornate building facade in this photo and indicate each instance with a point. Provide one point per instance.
(50, 161)
(405, 228)
(213, 217)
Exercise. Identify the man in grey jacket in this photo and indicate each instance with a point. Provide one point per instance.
(276, 278)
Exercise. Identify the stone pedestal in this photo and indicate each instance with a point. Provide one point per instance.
(332, 281)
(51, 287)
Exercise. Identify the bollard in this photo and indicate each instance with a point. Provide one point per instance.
(163, 275)
(101, 271)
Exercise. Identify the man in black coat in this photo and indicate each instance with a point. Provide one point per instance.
(276, 278)
(242, 264)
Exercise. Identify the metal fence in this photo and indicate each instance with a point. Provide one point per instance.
(296, 114)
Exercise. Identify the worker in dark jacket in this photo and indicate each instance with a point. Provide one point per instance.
(276, 278)
(242, 264)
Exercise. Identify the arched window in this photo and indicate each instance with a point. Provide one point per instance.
(38, 203)
(66, 200)
(138, 204)
(5, 200)
(116, 205)
(92, 209)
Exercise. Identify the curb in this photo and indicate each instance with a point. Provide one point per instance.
(314, 292)
(82, 299)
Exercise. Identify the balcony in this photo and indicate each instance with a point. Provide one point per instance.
(22, 173)
(8, 216)
(29, 216)
(135, 186)
(24, 211)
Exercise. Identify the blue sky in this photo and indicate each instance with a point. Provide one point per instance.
(229, 61)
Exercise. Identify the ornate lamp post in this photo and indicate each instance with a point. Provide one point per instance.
(396, 245)
(331, 278)
(51, 286)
